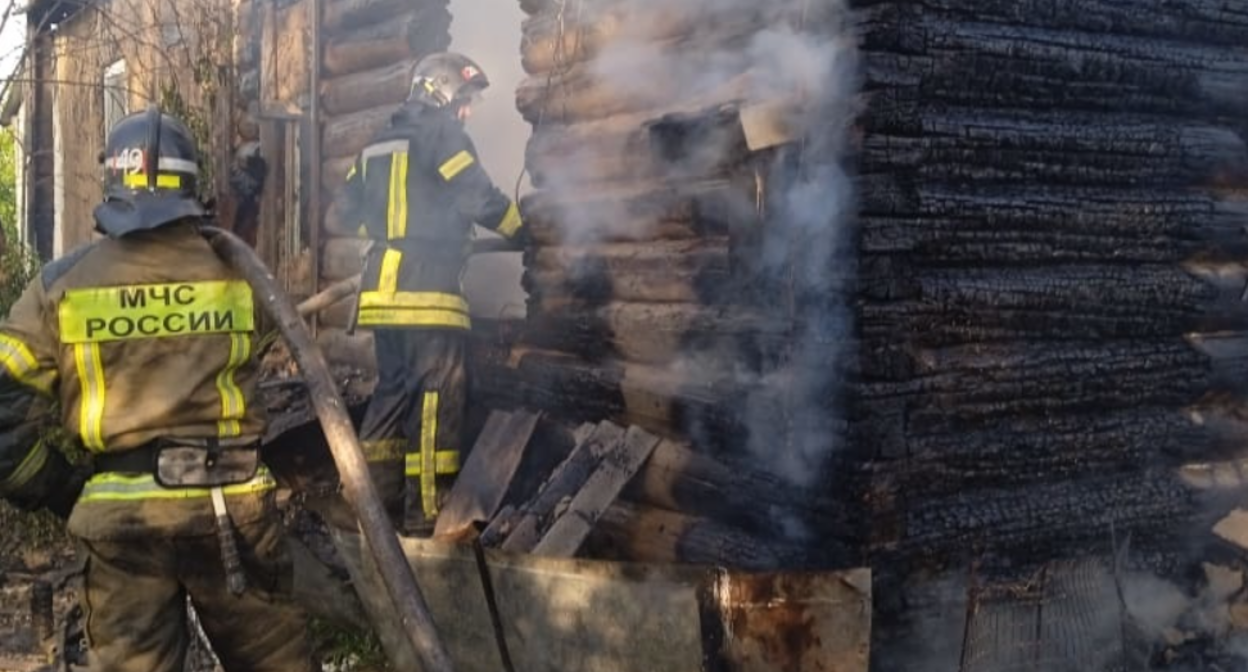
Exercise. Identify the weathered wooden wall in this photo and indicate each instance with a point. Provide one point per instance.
(165, 45)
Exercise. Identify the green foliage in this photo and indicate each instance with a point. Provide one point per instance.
(341, 649)
(17, 265)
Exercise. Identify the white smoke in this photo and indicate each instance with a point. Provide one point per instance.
(710, 52)
(492, 39)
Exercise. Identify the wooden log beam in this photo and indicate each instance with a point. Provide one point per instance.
(334, 174)
(639, 533)
(384, 86)
(655, 398)
(944, 224)
(989, 67)
(342, 258)
(680, 479)
(646, 212)
(347, 15)
(1077, 149)
(695, 271)
(348, 134)
(644, 332)
(401, 37)
(1183, 21)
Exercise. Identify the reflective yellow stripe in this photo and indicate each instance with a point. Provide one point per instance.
(511, 222)
(456, 165)
(91, 406)
(28, 469)
(445, 462)
(113, 487)
(388, 283)
(163, 181)
(413, 317)
(351, 172)
(21, 364)
(389, 450)
(428, 441)
(233, 403)
(103, 314)
(426, 300)
(396, 209)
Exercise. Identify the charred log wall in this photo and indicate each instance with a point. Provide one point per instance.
(661, 246)
(1051, 292)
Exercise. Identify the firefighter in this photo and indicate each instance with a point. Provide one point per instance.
(417, 189)
(145, 338)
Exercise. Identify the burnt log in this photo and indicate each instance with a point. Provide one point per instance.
(647, 212)
(398, 38)
(647, 333)
(951, 224)
(988, 65)
(346, 135)
(386, 86)
(654, 398)
(667, 271)
(342, 258)
(1075, 149)
(638, 533)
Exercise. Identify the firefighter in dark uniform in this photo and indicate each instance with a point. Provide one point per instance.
(146, 339)
(417, 189)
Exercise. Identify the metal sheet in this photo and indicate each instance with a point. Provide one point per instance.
(560, 615)
(451, 582)
(816, 622)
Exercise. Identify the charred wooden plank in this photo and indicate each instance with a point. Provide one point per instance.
(617, 468)
(481, 485)
(675, 271)
(565, 482)
(351, 14)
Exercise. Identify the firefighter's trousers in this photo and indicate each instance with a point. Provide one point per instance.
(411, 431)
(134, 598)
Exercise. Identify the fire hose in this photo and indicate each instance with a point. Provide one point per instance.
(344, 445)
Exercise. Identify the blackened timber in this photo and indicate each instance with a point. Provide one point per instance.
(1183, 21)
(1077, 149)
(947, 223)
(663, 401)
(639, 533)
(656, 333)
(568, 533)
(988, 65)
(564, 482)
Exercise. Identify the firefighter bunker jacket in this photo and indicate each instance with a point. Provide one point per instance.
(132, 359)
(419, 187)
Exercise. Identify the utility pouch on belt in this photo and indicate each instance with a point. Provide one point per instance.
(179, 465)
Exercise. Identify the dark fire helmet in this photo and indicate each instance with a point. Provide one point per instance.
(151, 173)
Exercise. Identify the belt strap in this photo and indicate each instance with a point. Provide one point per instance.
(141, 460)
